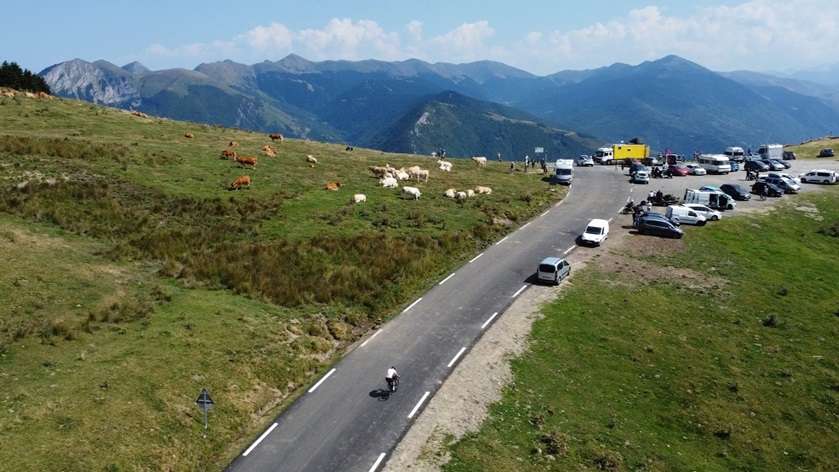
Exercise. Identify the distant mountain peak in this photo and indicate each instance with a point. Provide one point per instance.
(293, 62)
(136, 68)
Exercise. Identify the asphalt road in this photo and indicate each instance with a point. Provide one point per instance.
(344, 423)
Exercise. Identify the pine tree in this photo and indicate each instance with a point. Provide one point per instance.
(13, 76)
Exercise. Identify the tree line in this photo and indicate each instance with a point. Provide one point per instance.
(18, 78)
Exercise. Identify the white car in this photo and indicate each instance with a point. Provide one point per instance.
(709, 213)
(641, 177)
(585, 161)
(596, 232)
(820, 176)
(696, 169)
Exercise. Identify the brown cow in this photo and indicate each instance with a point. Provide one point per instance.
(227, 154)
(188, 135)
(276, 137)
(232, 144)
(269, 151)
(241, 181)
(333, 186)
(246, 161)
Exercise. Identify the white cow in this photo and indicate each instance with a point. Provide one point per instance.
(411, 192)
(483, 190)
(450, 193)
(445, 166)
(311, 159)
(359, 198)
(461, 195)
(421, 174)
(480, 161)
(400, 174)
(389, 182)
(470, 193)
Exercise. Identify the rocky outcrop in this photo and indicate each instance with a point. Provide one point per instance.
(99, 82)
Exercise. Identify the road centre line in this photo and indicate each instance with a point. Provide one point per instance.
(476, 258)
(315, 386)
(370, 338)
(456, 356)
(489, 320)
(378, 461)
(412, 305)
(259, 440)
(502, 240)
(519, 291)
(447, 278)
(418, 405)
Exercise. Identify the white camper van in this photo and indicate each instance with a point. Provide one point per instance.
(603, 155)
(564, 171)
(735, 153)
(715, 163)
(714, 199)
(771, 151)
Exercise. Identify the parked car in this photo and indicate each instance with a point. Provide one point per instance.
(553, 269)
(636, 166)
(714, 199)
(790, 156)
(658, 227)
(685, 215)
(653, 214)
(773, 164)
(771, 190)
(585, 161)
(709, 188)
(709, 213)
(736, 191)
(820, 176)
(784, 176)
(755, 165)
(826, 152)
(786, 184)
(678, 169)
(651, 161)
(735, 166)
(641, 177)
(776, 162)
(696, 169)
(596, 232)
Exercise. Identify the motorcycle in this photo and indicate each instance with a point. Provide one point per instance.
(628, 208)
(393, 384)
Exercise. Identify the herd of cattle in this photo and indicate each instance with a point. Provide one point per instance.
(389, 177)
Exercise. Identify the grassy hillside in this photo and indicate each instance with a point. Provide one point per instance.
(720, 356)
(810, 149)
(137, 278)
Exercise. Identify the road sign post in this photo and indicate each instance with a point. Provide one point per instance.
(205, 403)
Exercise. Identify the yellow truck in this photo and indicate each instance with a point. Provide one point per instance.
(630, 151)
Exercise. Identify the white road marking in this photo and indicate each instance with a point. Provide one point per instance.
(569, 250)
(447, 278)
(524, 225)
(412, 305)
(502, 240)
(519, 291)
(610, 219)
(545, 213)
(315, 386)
(476, 258)
(377, 463)
(489, 320)
(370, 338)
(418, 405)
(259, 440)
(454, 359)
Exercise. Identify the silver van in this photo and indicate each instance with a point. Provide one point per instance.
(553, 269)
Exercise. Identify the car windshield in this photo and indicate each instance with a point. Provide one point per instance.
(563, 172)
(546, 268)
(594, 230)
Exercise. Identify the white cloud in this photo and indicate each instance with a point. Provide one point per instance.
(756, 34)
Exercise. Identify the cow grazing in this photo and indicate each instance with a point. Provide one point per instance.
(379, 171)
(450, 193)
(421, 174)
(188, 135)
(246, 161)
(461, 196)
(276, 137)
(480, 161)
(388, 182)
(228, 154)
(400, 174)
(333, 186)
(483, 190)
(232, 144)
(412, 192)
(359, 198)
(445, 166)
(269, 151)
(470, 193)
(311, 159)
(241, 181)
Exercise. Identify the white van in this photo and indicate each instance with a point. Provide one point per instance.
(771, 151)
(820, 176)
(596, 232)
(685, 215)
(735, 153)
(603, 155)
(715, 200)
(715, 163)
(564, 171)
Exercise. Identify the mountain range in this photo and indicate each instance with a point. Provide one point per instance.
(482, 107)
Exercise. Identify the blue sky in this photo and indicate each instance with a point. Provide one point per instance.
(540, 36)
